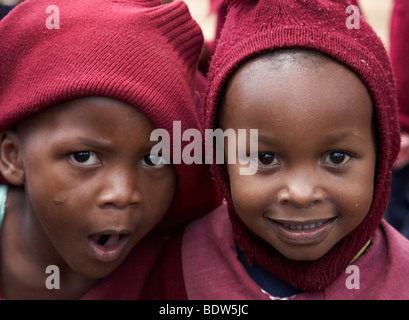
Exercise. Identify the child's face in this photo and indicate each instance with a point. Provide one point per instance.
(316, 154)
(90, 182)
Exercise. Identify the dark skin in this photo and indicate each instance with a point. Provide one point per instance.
(85, 194)
(316, 154)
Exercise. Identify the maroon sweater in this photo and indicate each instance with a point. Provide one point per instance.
(205, 267)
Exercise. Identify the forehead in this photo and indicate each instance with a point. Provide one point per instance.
(294, 87)
(92, 112)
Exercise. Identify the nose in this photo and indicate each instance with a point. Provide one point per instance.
(301, 190)
(119, 189)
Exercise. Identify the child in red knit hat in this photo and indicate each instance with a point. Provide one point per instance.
(316, 82)
(82, 86)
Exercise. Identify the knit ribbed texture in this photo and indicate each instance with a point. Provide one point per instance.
(256, 27)
(137, 51)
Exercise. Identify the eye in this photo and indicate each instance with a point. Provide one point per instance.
(337, 158)
(267, 159)
(153, 161)
(84, 158)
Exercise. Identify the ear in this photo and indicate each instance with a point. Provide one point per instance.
(11, 165)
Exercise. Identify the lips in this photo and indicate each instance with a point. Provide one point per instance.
(108, 246)
(303, 233)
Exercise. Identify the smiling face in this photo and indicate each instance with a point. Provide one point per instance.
(316, 153)
(92, 190)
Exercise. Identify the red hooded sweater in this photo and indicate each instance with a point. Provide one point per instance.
(205, 255)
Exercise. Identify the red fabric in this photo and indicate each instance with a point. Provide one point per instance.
(399, 53)
(214, 5)
(383, 271)
(166, 278)
(111, 49)
(215, 273)
(383, 267)
(254, 27)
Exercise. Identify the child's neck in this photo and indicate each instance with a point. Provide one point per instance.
(22, 269)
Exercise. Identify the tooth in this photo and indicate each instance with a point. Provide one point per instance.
(303, 226)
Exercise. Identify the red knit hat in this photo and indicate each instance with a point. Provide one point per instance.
(256, 27)
(136, 51)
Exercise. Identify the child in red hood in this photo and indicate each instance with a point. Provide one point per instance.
(316, 82)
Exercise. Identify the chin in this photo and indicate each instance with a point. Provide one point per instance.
(98, 271)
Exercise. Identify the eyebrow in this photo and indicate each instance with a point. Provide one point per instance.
(95, 144)
(265, 139)
(335, 138)
(91, 143)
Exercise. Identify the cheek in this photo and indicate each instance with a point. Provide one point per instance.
(57, 194)
(356, 200)
(58, 199)
(58, 210)
(159, 196)
(48, 181)
(248, 194)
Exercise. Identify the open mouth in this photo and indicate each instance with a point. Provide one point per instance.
(307, 232)
(108, 240)
(106, 246)
(301, 226)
